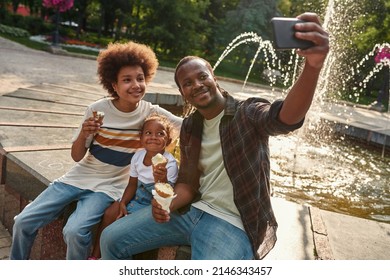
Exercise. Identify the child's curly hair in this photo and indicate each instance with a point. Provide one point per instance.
(118, 55)
(166, 123)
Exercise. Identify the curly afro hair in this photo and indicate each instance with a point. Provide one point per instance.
(118, 55)
(165, 122)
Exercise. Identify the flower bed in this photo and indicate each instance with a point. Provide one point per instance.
(67, 42)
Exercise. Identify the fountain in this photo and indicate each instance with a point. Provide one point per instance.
(314, 165)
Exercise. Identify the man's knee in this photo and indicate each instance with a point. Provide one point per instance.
(106, 242)
(106, 238)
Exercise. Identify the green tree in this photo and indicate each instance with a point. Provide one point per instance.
(80, 7)
(292, 8)
(374, 30)
(251, 16)
(374, 26)
(248, 16)
(3, 9)
(215, 16)
(174, 28)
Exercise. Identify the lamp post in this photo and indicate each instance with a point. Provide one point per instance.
(60, 6)
(56, 33)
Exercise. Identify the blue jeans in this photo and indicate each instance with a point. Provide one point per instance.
(47, 207)
(209, 237)
(143, 197)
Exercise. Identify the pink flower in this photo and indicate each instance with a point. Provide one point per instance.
(62, 5)
(382, 54)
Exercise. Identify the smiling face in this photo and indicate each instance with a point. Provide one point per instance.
(130, 87)
(198, 86)
(154, 137)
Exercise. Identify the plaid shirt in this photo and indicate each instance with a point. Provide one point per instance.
(244, 130)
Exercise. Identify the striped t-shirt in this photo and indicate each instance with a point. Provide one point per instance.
(105, 168)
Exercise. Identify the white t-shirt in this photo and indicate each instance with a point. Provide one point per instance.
(145, 173)
(105, 167)
(215, 185)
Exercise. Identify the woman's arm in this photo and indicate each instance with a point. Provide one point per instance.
(88, 128)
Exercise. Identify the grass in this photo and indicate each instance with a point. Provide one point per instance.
(26, 42)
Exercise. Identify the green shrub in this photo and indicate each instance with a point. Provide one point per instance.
(37, 26)
(13, 31)
(15, 20)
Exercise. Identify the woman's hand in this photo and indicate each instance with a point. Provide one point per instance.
(79, 148)
(90, 126)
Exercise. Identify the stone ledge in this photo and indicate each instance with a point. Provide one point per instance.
(320, 235)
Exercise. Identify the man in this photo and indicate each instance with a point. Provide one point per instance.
(225, 166)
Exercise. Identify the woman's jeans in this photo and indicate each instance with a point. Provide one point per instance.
(209, 237)
(47, 207)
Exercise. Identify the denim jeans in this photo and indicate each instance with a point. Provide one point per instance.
(47, 207)
(210, 238)
(143, 197)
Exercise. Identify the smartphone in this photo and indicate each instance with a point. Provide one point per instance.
(284, 34)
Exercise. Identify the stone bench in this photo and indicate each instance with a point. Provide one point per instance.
(49, 243)
(36, 125)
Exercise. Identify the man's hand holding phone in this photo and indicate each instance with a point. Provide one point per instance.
(283, 31)
(305, 34)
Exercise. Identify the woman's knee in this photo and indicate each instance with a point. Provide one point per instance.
(75, 233)
(20, 224)
(23, 222)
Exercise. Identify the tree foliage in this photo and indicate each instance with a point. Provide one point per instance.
(251, 16)
(206, 27)
(173, 27)
(374, 25)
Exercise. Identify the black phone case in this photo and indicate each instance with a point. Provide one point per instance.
(283, 34)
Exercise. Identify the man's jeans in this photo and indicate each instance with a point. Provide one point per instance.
(209, 237)
(47, 207)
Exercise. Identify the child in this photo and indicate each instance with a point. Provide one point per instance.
(156, 135)
(102, 150)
